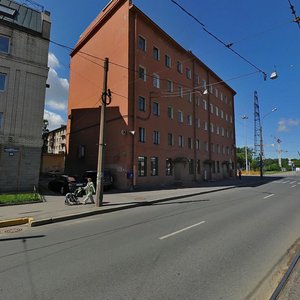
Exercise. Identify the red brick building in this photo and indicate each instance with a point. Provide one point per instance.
(171, 118)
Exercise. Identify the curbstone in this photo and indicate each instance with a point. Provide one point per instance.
(15, 222)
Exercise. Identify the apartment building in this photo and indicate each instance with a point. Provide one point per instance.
(24, 43)
(56, 140)
(171, 118)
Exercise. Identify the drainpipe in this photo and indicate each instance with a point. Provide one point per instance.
(194, 122)
(209, 125)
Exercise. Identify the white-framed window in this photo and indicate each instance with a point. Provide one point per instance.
(188, 72)
(212, 127)
(197, 144)
(142, 103)
(189, 120)
(218, 148)
(218, 130)
(156, 80)
(212, 145)
(222, 114)
(4, 44)
(226, 99)
(211, 109)
(142, 135)
(3, 78)
(211, 89)
(180, 116)
(221, 96)
(170, 112)
(179, 67)
(198, 123)
(142, 43)
(190, 143)
(197, 79)
(170, 85)
(155, 109)
(155, 53)
(205, 125)
(226, 117)
(216, 93)
(206, 146)
(204, 104)
(217, 111)
(222, 131)
(180, 91)
(197, 100)
(180, 141)
(142, 73)
(168, 61)
(156, 137)
(170, 139)
(189, 96)
(204, 84)
(230, 119)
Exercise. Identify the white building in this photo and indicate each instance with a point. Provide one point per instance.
(24, 43)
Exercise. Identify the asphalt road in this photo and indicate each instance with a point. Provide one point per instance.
(223, 245)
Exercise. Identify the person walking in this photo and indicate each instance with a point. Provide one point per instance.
(89, 191)
(240, 174)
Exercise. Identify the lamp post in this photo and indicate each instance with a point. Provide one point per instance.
(244, 117)
(261, 143)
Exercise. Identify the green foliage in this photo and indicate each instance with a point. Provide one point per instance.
(22, 198)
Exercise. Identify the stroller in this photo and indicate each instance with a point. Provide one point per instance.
(72, 198)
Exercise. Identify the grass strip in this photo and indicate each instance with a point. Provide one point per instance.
(11, 199)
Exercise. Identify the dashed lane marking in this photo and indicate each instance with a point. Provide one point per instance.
(268, 196)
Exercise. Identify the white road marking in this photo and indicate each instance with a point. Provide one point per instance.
(292, 182)
(285, 181)
(269, 196)
(181, 230)
(293, 185)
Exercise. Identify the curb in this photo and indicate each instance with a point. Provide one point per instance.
(51, 220)
(15, 222)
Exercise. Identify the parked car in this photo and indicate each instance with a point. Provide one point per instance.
(107, 179)
(64, 184)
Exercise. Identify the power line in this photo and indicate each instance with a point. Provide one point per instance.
(297, 18)
(227, 45)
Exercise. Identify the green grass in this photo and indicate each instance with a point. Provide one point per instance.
(11, 199)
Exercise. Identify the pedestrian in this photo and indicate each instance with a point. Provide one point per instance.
(89, 191)
(240, 174)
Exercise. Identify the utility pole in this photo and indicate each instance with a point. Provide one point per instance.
(261, 153)
(100, 169)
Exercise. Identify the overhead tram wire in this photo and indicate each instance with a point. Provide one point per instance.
(227, 45)
(297, 18)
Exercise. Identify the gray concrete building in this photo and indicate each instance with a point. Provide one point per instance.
(24, 44)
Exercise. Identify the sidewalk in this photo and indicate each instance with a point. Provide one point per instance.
(54, 209)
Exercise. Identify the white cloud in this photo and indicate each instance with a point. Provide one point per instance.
(285, 125)
(57, 95)
(55, 120)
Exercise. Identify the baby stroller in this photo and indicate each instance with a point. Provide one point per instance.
(72, 198)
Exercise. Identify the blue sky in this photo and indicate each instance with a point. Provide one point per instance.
(261, 31)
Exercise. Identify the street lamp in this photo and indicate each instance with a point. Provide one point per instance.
(244, 117)
(261, 143)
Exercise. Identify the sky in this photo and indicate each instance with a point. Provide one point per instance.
(263, 32)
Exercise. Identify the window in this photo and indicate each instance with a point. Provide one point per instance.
(188, 73)
(180, 141)
(1, 120)
(191, 166)
(216, 93)
(169, 167)
(211, 109)
(213, 166)
(226, 117)
(170, 86)
(197, 100)
(142, 73)
(142, 135)
(222, 131)
(197, 80)
(217, 111)
(142, 43)
(206, 146)
(154, 166)
(180, 116)
(156, 137)
(218, 166)
(170, 112)
(222, 114)
(205, 125)
(4, 44)
(189, 120)
(179, 67)
(218, 130)
(190, 143)
(180, 91)
(212, 127)
(221, 96)
(218, 148)
(197, 144)
(155, 108)
(198, 166)
(170, 139)
(167, 61)
(142, 166)
(198, 123)
(189, 96)
(2, 81)
(205, 104)
(204, 84)
(156, 80)
(142, 103)
(212, 145)
(155, 53)
(230, 119)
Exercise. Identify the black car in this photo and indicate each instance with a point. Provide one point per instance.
(64, 184)
(107, 179)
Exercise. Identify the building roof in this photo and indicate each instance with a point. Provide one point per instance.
(20, 15)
